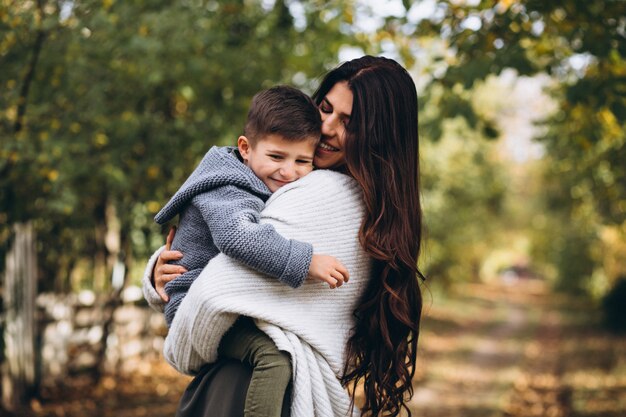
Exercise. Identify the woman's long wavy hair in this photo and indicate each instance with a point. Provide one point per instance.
(381, 148)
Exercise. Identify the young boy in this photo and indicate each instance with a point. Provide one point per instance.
(219, 207)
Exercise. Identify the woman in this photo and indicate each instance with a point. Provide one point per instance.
(369, 114)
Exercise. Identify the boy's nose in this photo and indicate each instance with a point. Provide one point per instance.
(288, 171)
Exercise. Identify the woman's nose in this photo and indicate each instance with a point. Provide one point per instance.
(329, 125)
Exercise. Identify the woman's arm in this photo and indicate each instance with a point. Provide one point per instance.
(159, 272)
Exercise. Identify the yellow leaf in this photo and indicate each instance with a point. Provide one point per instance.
(152, 172)
(348, 15)
(608, 118)
(153, 206)
(101, 139)
(11, 113)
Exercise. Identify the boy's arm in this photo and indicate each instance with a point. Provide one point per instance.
(232, 215)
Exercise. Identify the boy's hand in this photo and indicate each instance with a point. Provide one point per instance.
(328, 269)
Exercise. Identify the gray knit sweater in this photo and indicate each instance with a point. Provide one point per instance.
(219, 206)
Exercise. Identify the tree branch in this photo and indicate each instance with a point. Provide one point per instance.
(30, 73)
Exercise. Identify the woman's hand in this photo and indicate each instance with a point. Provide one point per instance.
(328, 269)
(164, 272)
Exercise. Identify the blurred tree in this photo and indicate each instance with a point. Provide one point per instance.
(464, 189)
(108, 105)
(582, 46)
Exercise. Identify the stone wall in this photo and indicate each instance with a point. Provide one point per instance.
(72, 328)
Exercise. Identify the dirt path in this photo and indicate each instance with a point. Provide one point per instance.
(516, 350)
(505, 351)
(152, 392)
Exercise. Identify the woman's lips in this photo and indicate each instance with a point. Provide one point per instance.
(326, 147)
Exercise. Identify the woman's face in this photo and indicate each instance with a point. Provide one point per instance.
(335, 109)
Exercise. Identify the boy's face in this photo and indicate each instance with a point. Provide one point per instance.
(277, 161)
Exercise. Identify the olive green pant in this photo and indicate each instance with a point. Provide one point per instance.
(271, 368)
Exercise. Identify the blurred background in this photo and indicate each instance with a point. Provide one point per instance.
(107, 106)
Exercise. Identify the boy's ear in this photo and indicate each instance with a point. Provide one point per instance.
(244, 147)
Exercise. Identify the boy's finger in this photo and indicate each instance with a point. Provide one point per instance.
(344, 271)
(338, 277)
(332, 283)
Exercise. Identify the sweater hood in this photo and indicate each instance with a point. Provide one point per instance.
(219, 167)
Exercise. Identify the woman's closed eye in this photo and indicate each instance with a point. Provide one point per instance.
(325, 107)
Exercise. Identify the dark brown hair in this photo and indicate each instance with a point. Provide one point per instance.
(381, 152)
(285, 111)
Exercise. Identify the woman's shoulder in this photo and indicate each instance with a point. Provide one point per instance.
(325, 179)
(320, 186)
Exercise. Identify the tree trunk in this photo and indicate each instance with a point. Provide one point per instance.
(20, 285)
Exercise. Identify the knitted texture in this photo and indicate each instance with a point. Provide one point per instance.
(219, 206)
(312, 323)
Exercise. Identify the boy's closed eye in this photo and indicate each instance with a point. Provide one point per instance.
(276, 157)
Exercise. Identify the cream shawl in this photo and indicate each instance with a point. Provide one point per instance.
(312, 322)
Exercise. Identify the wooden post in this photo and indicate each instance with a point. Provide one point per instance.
(20, 286)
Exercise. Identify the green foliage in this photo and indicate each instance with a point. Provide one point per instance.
(582, 46)
(463, 193)
(110, 104)
(106, 107)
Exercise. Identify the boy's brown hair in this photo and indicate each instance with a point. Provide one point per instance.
(284, 111)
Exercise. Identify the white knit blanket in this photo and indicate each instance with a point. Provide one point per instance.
(312, 322)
